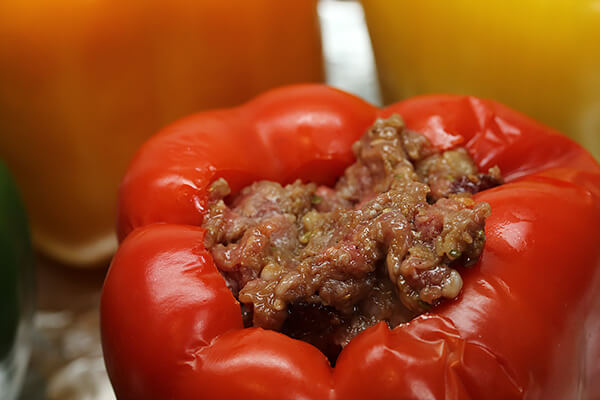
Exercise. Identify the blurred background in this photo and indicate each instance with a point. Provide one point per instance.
(84, 83)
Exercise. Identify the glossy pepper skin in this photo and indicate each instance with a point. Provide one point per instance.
(524, 327)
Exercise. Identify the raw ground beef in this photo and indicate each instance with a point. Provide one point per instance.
(322, 264)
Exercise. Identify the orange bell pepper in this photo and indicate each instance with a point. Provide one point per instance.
(85, 83)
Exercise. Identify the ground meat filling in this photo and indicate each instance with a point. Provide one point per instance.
(322, 264)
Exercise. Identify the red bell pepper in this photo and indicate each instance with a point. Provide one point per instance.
(526, 325)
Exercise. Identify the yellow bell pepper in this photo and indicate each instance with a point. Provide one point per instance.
(541, 57)
(84, 83)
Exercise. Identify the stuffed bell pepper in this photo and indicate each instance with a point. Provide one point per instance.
(308, 245)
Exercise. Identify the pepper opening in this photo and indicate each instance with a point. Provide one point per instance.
(323, 264)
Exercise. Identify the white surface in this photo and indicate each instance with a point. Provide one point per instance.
(349, 61)
(13, 368)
